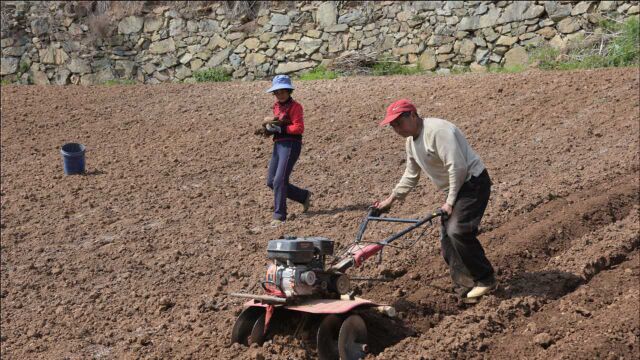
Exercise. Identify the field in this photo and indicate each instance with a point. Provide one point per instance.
(135, 258)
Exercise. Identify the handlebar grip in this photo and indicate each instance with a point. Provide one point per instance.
(366, 253)
(443, 214)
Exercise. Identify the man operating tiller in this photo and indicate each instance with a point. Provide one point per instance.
(439, 148)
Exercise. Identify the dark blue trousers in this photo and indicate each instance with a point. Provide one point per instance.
(284, 157)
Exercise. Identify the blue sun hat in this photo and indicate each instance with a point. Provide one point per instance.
(280, 82)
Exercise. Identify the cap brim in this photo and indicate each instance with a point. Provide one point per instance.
(389, 119)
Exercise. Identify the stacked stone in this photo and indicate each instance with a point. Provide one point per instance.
(53, 45)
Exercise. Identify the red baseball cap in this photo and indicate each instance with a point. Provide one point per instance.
(396, 109)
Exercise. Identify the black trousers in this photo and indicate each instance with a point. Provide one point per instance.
(461, 249)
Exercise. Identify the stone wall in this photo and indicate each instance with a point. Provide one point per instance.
(53, 42)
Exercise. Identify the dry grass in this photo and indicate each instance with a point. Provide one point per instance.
(242, 10)
(355, 62)
(116, 9)
(103, 15)
(100, 26)
(121, 9)
(6, 16)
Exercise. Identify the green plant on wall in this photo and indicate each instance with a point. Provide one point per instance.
(507, 69)
(119, 82)
(456, 70)
(624, 49)
(545, 56)
(389, 67)
(318, 73)
(24, 67)
(619, 46)
(211, 75)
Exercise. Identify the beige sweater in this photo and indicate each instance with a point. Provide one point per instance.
(444, 154)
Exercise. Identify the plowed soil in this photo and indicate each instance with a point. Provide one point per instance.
(135, 259)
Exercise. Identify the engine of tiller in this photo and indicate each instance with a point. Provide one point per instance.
(298, 269)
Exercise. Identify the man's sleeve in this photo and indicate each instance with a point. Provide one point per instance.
(409, 179)
(297, 123)
(451, 155)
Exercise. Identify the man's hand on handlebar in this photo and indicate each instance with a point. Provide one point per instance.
(448, 209)
(384, 205)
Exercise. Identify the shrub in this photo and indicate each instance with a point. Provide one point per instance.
(100, 26)
(608, 24)
(242, 9)
(121, 9)
(507, 69)
(119, 82)
(586, 62)
(460, 69)
(23, 67)
(6, 18)
(318, 73)
(623, 50)
(546, 57)
(617, 46)
(388, 67)
(211, 75)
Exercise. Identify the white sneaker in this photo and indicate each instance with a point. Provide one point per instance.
(482, 289)
(276, 223)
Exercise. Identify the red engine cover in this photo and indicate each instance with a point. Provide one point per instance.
(270, 281)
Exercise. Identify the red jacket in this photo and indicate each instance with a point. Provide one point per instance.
(291, 111)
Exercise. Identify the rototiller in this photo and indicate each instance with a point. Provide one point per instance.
(300, 279)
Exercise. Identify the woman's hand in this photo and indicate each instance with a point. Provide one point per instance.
(269, 120)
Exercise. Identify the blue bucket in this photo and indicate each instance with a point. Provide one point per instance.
(73, 158)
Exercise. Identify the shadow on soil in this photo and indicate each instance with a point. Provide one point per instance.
(548, 285)
(296, 330)
(384, 331)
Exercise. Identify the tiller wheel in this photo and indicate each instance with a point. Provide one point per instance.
(339, 339)
(249, 327)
